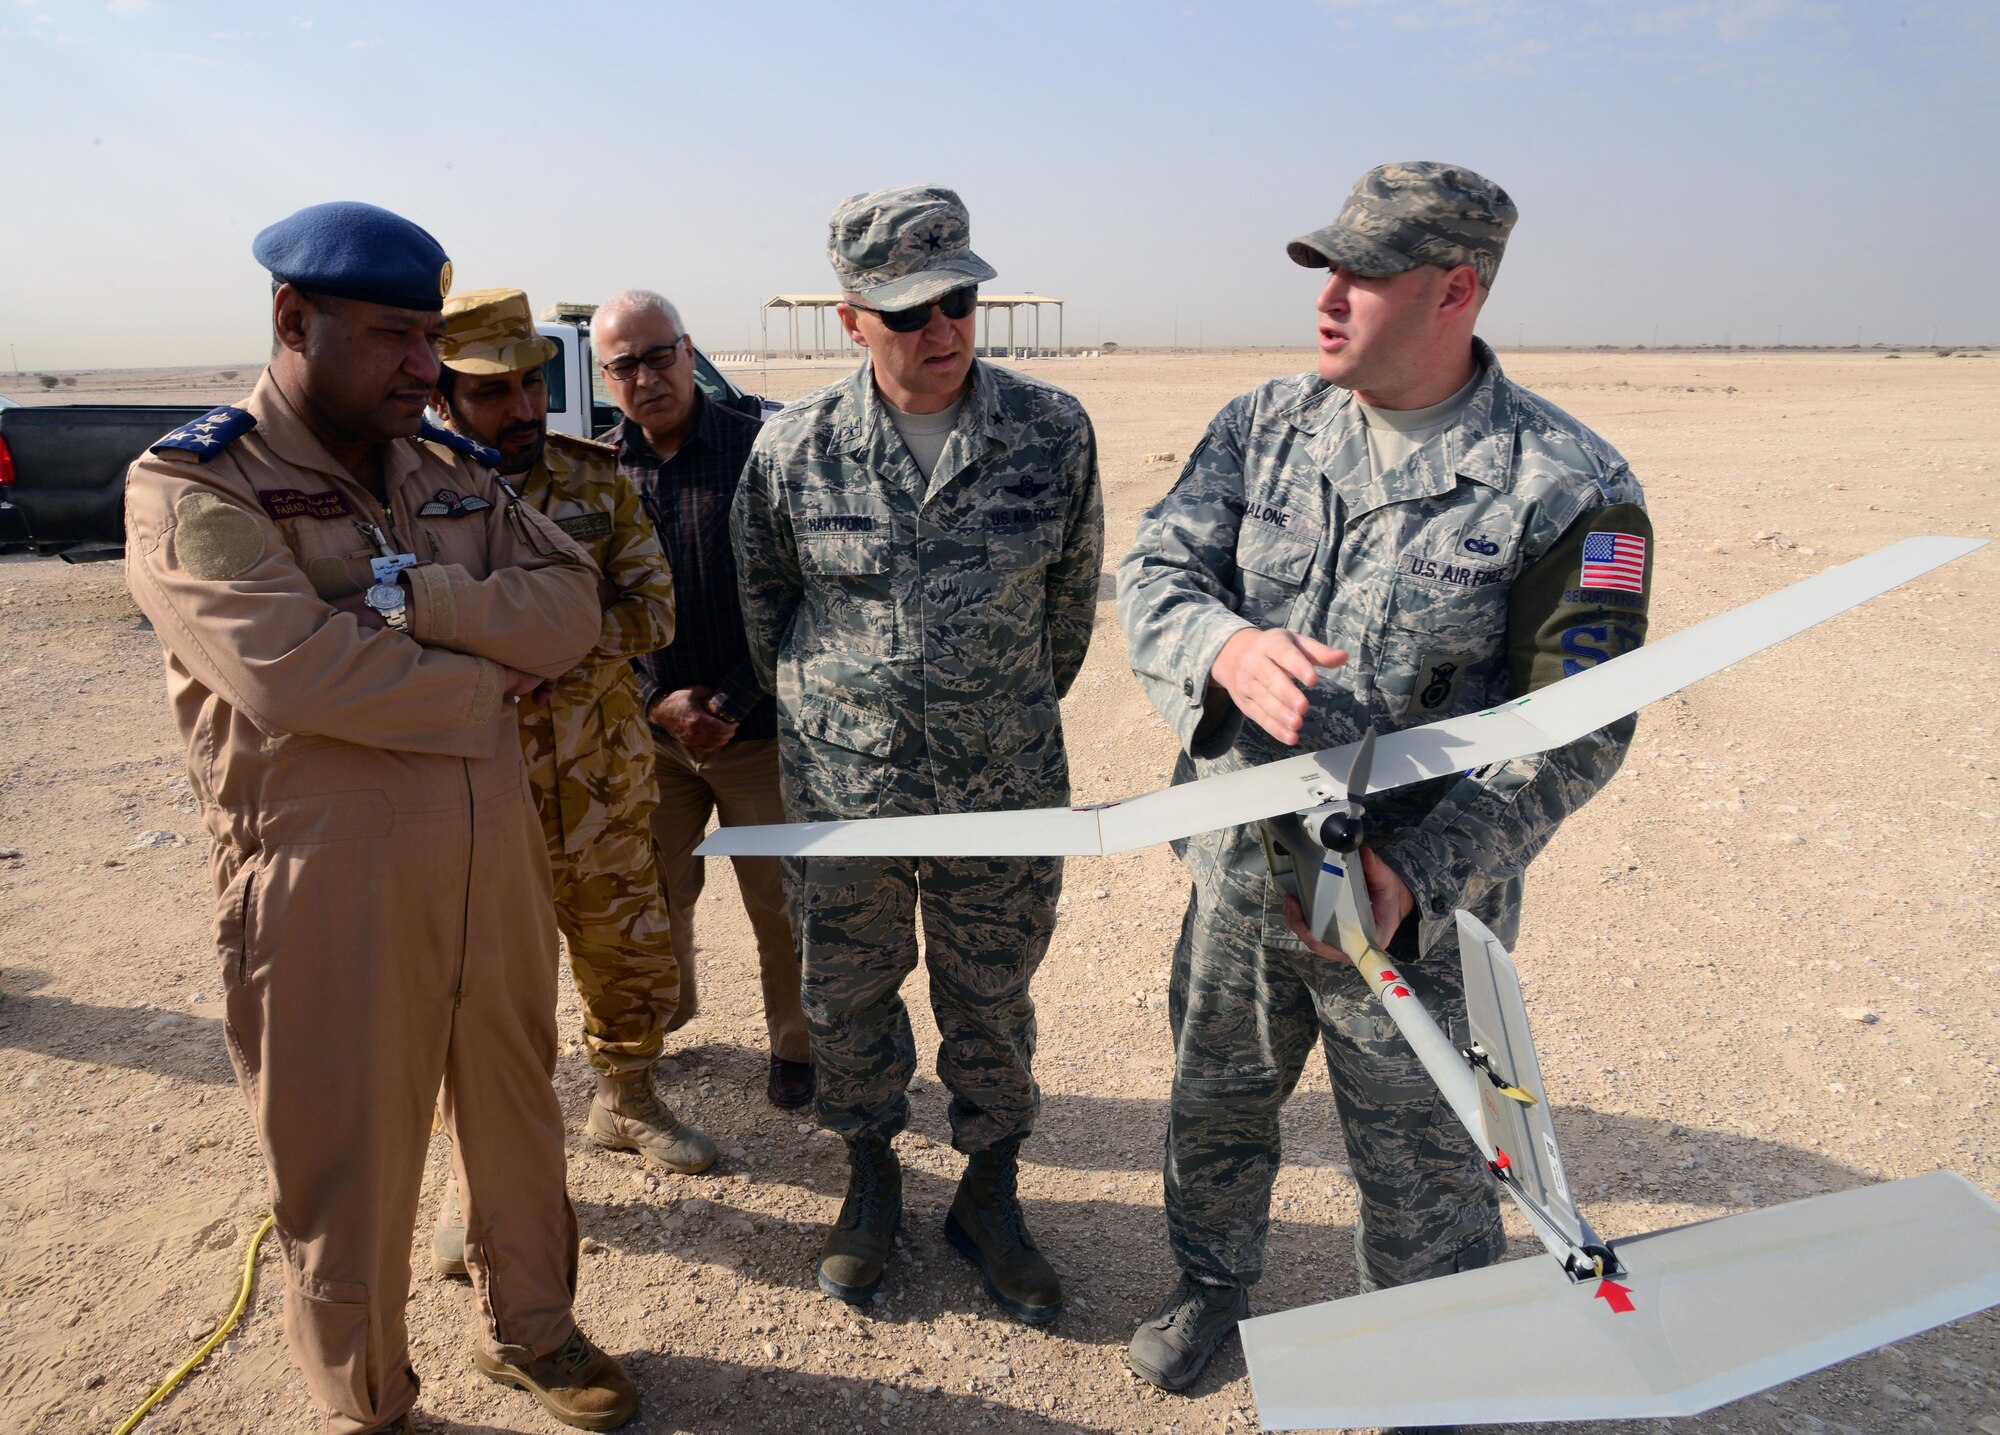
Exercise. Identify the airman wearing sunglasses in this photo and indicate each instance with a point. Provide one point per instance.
(919, 548)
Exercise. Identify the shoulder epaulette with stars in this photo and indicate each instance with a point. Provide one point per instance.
(458, 443)
(210, 434)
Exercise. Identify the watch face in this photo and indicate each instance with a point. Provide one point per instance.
(385, 597)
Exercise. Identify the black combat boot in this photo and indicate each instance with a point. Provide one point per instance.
(986, 1226)
(857, 1248)
(1176, 1341)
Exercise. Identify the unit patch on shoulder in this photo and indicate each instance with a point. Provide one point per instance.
(585, 526)
(214, 539)
(292, 503)
(210, 434)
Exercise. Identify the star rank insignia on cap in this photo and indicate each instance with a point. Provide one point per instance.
(210, 434)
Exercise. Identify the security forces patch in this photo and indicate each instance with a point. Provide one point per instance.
(292, 503)
(585, 526)
(1585, 645)
(210, 434)
(1438, 677)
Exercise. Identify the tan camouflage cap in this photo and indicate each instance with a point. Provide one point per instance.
(897, 248)
(1398, 216)
(492, 331)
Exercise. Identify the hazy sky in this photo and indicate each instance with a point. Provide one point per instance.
(1691, 170)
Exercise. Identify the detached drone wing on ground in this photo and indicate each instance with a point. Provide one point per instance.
(1549, 718)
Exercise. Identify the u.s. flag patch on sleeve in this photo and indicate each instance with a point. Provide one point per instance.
(1614, 560)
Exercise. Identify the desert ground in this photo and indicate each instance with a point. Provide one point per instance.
(1761, 965)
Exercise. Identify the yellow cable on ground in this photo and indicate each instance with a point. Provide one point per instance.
(216, 1338)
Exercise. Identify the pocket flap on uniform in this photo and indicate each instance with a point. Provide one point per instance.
(1267, 549)
(843, 533)
(840, 724)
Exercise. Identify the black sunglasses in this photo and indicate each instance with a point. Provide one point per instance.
(956, 305)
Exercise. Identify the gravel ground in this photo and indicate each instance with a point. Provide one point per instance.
(1760, 965)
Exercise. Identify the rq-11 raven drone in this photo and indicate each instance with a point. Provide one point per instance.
(1669, 1323)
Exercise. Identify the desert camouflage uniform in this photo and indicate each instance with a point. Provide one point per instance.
(590, 764)
(918, 635)
(1452, 580)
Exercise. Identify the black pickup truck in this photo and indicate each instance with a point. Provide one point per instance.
(62, 470)
(62, 467)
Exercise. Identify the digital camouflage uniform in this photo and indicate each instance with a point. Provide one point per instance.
(918, 635)
(1453, 582)
(590, 763)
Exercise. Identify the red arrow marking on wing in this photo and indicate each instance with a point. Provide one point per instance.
(1618, 1297)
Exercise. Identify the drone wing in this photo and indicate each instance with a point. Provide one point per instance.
(1548, 718)
(1513, 1103)
(1702, 1314)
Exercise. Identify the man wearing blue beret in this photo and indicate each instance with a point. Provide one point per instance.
(348, 611)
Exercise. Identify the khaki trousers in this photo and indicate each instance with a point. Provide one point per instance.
(361, 974)
(740, 786)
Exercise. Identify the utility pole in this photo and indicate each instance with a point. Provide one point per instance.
(1656, 336)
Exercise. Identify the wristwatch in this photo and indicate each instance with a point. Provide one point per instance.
(718, 708)
(392, 602)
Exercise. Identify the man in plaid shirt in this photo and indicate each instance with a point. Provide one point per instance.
(714, 728)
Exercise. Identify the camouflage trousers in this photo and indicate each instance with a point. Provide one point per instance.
(1244, 1018)
(614, 922)
(986, 926)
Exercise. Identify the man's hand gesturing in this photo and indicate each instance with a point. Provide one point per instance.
(1264, 671)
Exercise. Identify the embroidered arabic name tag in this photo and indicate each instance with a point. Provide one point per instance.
(292, 503)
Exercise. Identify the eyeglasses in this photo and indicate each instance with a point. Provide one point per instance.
(956, 305)
(659, 359)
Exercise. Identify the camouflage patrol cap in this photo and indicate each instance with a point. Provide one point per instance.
(492, 331)
(1398, 216)
(897, 248)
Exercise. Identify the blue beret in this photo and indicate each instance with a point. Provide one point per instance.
(357, 251)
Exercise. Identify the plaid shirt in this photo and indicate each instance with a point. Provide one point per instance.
(689, 496)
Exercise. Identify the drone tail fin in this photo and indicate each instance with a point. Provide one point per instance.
(1513, 1105)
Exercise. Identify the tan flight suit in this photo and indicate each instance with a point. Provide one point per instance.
(383, 911)
(590, 762)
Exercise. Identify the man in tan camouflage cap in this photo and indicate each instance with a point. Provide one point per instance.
(1403, 536)
(918, 547)
(586, 744)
